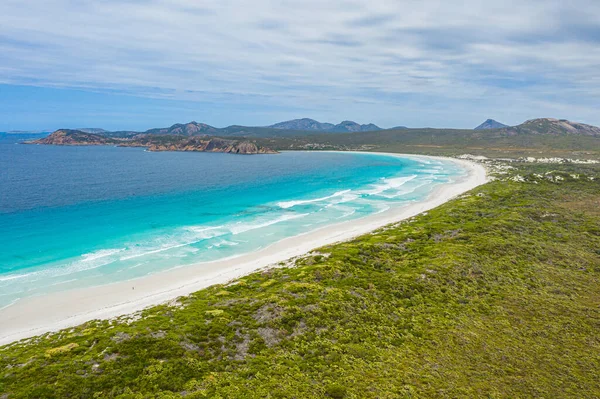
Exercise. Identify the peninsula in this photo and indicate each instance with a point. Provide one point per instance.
(170, 142)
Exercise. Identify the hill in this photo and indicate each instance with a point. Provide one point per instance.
(554, 127)
(307, 124)
(350, 126)
(303, 124)
(188, 129)
(74, 137)
(490, 124)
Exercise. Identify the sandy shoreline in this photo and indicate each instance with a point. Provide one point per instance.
(38, 315)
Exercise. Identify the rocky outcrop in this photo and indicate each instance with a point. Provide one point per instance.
(212, 145)
(73, 137)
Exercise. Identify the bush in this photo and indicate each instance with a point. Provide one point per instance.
(335, 391)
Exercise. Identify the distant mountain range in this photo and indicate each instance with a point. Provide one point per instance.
(288, 128)
(313, 125)
(306, 126)
(194, 136)
(490, 124)
(558, 135)
(528, 138)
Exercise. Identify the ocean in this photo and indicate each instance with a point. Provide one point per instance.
(73, 217)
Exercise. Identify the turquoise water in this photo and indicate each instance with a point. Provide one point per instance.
(74, 217)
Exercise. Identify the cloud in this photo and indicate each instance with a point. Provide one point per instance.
(382, 61)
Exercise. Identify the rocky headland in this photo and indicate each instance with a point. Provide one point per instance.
(156, 142)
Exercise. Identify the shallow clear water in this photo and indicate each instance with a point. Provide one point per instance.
(83, 216)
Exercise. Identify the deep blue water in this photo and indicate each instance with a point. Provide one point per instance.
(81, 216)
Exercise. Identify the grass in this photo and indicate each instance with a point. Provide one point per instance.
(492, 295)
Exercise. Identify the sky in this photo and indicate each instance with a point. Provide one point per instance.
(138, 64)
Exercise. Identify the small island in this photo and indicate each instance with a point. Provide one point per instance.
(156, 142)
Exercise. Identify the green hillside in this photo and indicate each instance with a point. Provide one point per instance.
(492, 295)
(493, 143)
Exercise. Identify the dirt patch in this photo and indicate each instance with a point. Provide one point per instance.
(111, 357)
(446, 235)
(267, 313)
(241, 348)
(158, 334)
(300, 329)
(121, 337)
(271, 336)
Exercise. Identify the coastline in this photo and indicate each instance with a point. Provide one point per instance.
(38, 315)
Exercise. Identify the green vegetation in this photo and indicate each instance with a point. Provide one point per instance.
(494, 294)
(492, 143)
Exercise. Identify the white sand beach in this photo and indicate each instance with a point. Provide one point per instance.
(37, 315)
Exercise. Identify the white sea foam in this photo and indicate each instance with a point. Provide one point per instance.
(10, 304)
(14, 277)
(155, 251)
(63, 282)
(195, 234)
(186, 236)
(403, 192)
(343, 199)
(290, 204)
(348, 211)
(225, 243)
(202, 229)
(382, 208)
(243, 227)
(388, 184)
(102, 253)
(90, 261)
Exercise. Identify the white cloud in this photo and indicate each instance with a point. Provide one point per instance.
(385, 61)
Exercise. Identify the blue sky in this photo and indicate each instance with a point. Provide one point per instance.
(130, 64)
